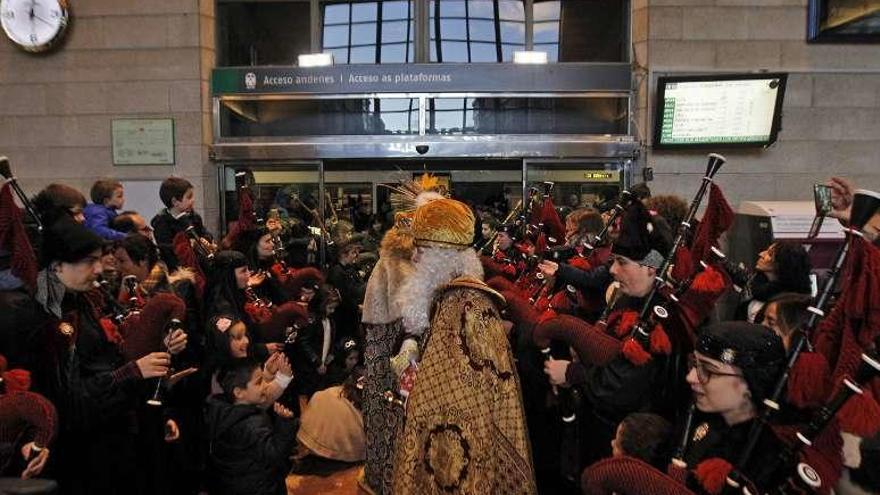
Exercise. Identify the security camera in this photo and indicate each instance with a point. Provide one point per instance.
(422, 149)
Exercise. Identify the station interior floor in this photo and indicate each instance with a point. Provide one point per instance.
(343, 482)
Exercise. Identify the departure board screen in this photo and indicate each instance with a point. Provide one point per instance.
(718, 111)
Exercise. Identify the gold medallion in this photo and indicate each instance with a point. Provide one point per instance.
(65, 328)
(700, 432)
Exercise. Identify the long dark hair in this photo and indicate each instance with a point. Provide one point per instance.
(224, 295)
(791, 310)
(792, 266)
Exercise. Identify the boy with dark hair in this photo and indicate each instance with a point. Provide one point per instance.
(248, 450)
(644, 436)
(107, 197)
(177, 194)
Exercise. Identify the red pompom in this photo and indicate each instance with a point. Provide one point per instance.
(860, 415)
(635, 353)
(17, 380)
(712, 474)
(660, 343)
(257, 312)
(709, 281)
(810, 381)
(580, 263)
(3, 363)
(628, 320)
(111, 331)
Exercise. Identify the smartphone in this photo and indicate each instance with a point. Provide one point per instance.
(822, 197)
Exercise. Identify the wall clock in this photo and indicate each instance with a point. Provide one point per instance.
(35, 25)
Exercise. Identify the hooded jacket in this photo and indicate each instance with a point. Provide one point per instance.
(248, 450)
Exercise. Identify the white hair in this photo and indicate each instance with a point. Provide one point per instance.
(435, 268)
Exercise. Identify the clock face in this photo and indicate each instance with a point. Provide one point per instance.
(34, 25)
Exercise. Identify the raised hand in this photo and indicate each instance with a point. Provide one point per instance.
(841, 198)
(282, 411)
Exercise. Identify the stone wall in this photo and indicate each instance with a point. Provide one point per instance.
(122, 59)
(831, 120)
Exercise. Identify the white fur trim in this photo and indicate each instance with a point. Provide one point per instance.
(436, 268)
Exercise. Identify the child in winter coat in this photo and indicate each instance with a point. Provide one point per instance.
(249, 449)
(107, 197)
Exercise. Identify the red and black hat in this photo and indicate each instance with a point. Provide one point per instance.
(642, 239)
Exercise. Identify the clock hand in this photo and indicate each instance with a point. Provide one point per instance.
(44, 21)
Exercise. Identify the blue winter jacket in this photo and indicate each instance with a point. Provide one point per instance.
(98, 219)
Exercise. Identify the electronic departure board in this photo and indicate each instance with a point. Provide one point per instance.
(718, 111)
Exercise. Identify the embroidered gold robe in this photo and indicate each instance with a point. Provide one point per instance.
(465, 430)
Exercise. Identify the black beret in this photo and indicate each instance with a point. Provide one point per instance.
(755, 349)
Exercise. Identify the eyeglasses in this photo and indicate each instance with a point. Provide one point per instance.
(704, 374)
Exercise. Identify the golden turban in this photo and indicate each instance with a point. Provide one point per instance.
(443, 223)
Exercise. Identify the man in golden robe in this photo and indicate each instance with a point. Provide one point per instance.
(465, 429)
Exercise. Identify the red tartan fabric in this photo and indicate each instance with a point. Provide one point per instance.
(145, 332)
(854, 322)
(593, 346)
(628, 476)
(300, 277)
(716, 220)
(187, 257)
(493, 267)
(501, 284)
(824, 455)
(22, 411)
(13, 238)
(550, 218)
(278, 319)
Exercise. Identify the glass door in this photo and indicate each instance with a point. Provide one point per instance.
(288, 191)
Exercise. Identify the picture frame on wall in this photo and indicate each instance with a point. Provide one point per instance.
(843, 21)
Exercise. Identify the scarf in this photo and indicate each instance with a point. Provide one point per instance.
(50, 291)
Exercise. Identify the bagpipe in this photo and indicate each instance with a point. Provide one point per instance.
(202, 246)
(564, 254)
(647, 336)
(640, 334)
(558, 330)
(6, 172)
(810, 367)
(156, 400)
(802, 466)
(803, 470)
(112, 308)
(516, 212)
(14, 236)
(275, 323)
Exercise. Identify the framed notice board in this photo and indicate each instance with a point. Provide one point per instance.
(142, 141)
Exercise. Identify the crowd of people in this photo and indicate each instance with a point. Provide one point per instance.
(451, 348)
